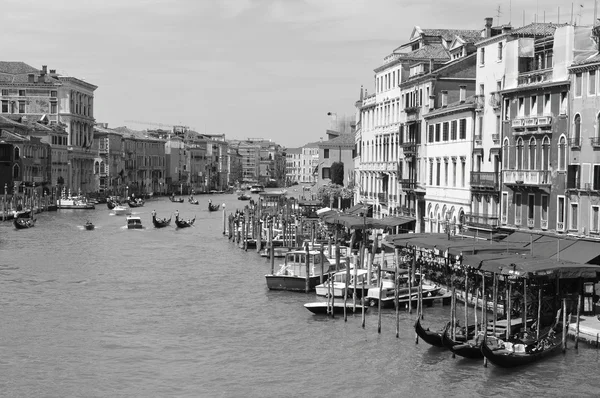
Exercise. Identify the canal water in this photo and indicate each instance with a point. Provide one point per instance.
(185, 313)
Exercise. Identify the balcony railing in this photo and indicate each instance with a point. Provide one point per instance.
(526, 177)
(484, 180)
(481, 221)
(412, 110)
(409, 148)
(575, 142)
(534, 77)
(407, 212)
(530, 222)
(496, 138)
(408, 184)
(479, 101)
(595, 141)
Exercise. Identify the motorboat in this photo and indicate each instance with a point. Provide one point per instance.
(386, 289)
(244, 197)
(134, 222)
(89, 226)
(340, 289)
(121, 210)
(66, 201)
(278, 252)
(296, 275)
(322, 307)
(257, 188)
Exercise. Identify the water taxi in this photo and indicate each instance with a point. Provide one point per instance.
(134, 222)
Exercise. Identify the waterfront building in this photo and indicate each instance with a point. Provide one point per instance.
(338, 148)
(110, 162)
(177, 168)
(293, 165)
(42, 94)
(583, 174)
(536, 120)
(234, 167)
(450, 141)
(309, 163)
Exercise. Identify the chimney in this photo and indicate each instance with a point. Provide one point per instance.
(53, 71)
(431, 65)
(44, 69)
(444, 98)
(506, 29)
(42, 78)
(462, 93)
(31, 78)
(488, 26)
(431, 102)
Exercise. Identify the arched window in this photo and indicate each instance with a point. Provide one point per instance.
(520, 154)
(505, 147)
(17, 153)
(16, 172)
(562, 153)
(96, 167)
(532, 149)
(597, 137)
(577, 129)
(546, 153)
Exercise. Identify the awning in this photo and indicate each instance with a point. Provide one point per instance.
(393, 221)
(313, 203)
(478, 151)
(324, 210)
(582, 251)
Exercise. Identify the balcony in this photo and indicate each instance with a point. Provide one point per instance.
(495, 101)
(478, 139)
(484, 180)
(575, 143)
(544, 224)
(409, 148)
(412, 113)
(534, 77)
(496, 138)
(595, 141)
(479, 102)
(531, 178)
(480, 221)
(382, 197)
(405, 211)
(408, 184)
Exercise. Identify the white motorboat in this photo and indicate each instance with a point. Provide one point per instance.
(386, 289)
(257, 188)
(74, 202)
(339, 283)
(122, 210)
(134, 222)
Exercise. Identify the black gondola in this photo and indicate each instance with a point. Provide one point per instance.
(110, 204)
(212, 207)
(175, 200)
(459, 339)
(193, 201)
(432, 338)
(23, 214)
(89, 226)
(244, 197)
(522, 352)
(135, 203)
(24, 223)
(160, 223)
(184, 223)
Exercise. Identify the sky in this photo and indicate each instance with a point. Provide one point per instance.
(269, 69)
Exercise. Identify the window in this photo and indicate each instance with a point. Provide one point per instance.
(446, 173)
(453, 172)
(532, 150)
(547, 104)
(530, 208)
(533, 111)
(506, 109)
(498, 126)
(453, 130)
(544, 215)
(4, 106)
(519, 153)
(595, 219)
(562, 153)
(438, 173)
(504, 209)
(482, 56)
(500, 51)
(4, 91)
(446, 128)
(53, 93)
(326, 172)
(53, 107)
(505, 154)
(560, 213)
(577, 129)
(521, 107)
(431, 173)
(431, 132)
(563, 102)
(326, 153)
(437, 132)
(21, 93)
(480, 125)
(462, 131)
(592, 82)
(463, 168)
(578, 79)
(574, 216)
(596, 178)
(21, 106)
(518, 209)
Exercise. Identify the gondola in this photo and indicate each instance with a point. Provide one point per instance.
(89, 226)
(212, 207)
(135, 203)
(517, 353)
(24, 223)
(160, 223)
(193, 201)
(244, 197)
(175, 200)
(110, 204)
(184, 223)
(432, 338)
(459, 339)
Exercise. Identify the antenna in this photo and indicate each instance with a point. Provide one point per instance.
(498, 13)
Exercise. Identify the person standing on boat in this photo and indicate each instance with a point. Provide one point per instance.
(153, 213)
(176, 214)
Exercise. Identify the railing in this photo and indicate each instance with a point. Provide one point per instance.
(407, 212)
(530, 222)
(412, 109)
(408, 184)
(534, 77)
(409, 148)
(484, 179)
(526, 177)
(481, 221)
(595, 141)
(544, 224)
(575, 142)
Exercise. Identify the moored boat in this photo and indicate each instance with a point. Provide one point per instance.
(134, 222)
(321, 307)
(433, 338)
(257, 188)
(244, 197)
(339, 283)
(74, 202)
(24, 223)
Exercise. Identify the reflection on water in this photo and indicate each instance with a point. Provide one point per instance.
(183, 312)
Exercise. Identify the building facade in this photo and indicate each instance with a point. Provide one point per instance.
(338, 149)
(293, 165)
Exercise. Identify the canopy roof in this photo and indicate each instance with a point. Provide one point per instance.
(357, 222)
(358, 209)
